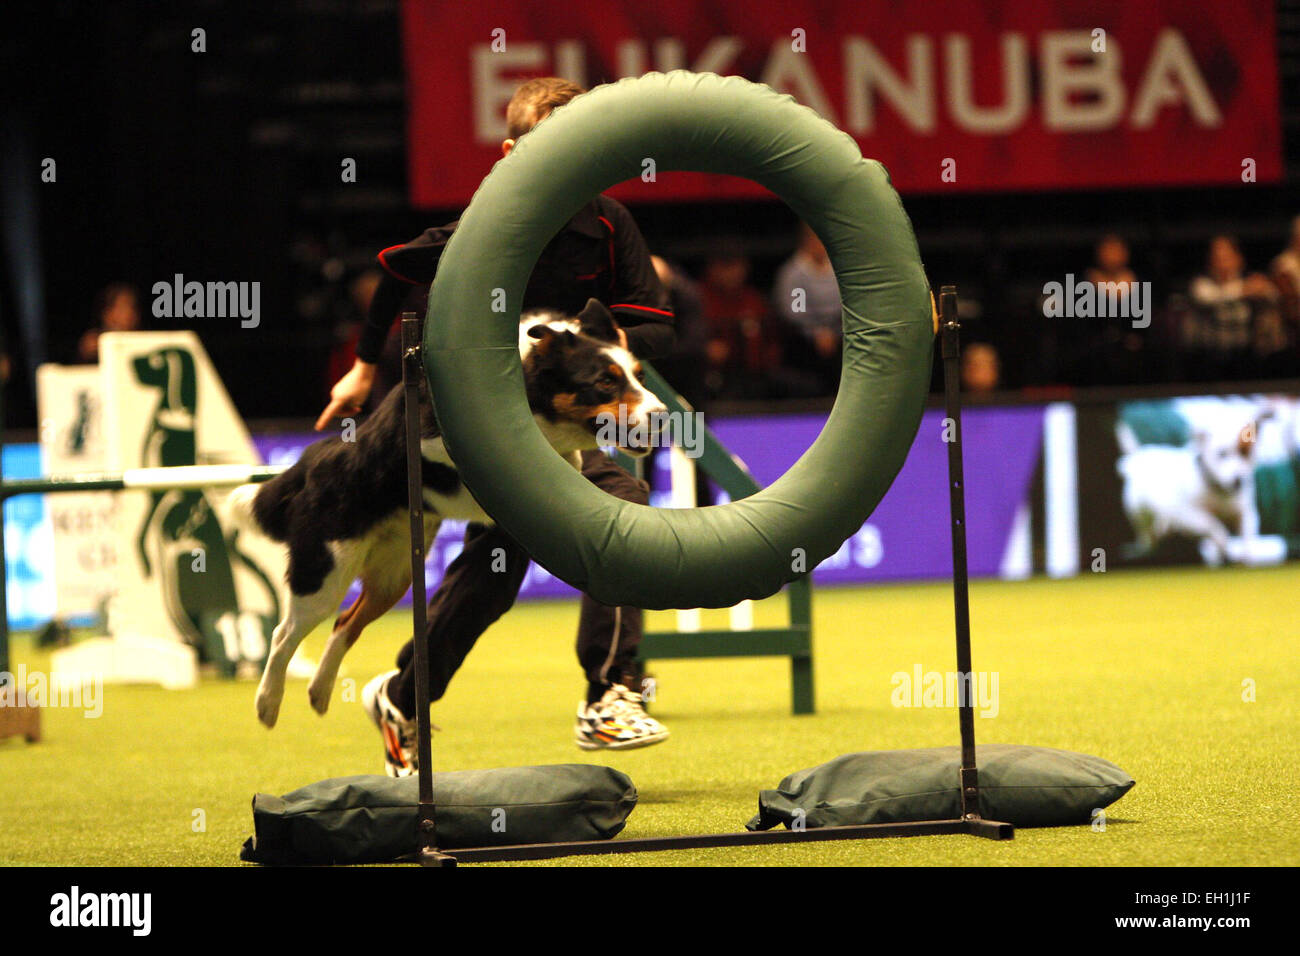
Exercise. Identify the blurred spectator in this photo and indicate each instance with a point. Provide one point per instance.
(744, 343)
(1286, 274)
(117, 309)
(1219, 331)
(1111, 261)
(1114, 353)
(981, 371)
(686, 367)
(807, 296)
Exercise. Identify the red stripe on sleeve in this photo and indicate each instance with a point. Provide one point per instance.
(389, 269)
(643, 308)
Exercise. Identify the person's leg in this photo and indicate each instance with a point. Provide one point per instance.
(612, 715)
(480, 585)
(608, 637)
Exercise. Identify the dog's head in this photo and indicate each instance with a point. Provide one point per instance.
(584, 388)
(1225, 453)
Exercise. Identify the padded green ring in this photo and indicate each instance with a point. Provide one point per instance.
(622, 553)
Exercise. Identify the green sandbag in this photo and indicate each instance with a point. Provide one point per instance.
(372, 819)
(1023, 786)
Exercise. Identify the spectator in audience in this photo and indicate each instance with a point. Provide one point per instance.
(744, 344)
(1219, 331)
(117, 309)
(807, 296)
(981, 371)
(1111, 261)
(1113, 352)
(1286, 274)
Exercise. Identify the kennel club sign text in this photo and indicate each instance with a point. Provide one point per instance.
(1022, 94)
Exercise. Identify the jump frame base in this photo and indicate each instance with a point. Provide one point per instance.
(977, 827)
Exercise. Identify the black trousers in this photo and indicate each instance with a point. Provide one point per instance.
(482, 584)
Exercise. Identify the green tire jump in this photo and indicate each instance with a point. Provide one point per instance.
(624, 553)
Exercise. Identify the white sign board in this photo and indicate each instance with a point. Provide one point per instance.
(70, 410)
(184, 569)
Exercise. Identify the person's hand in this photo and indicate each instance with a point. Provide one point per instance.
(348, 394)
(622, 337)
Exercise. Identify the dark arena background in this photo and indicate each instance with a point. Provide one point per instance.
(195, 200)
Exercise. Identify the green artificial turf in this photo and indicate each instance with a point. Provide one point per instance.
(1145, 669)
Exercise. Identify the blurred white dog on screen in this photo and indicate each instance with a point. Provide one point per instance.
(1205, 489)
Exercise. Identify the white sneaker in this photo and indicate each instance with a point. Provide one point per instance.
(398, 730)
(617, 721)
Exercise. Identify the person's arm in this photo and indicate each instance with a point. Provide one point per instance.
(387, 299)
(1259, 286)
(405, 267)
(638, 300)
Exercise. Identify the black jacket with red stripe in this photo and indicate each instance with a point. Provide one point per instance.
(598, 254)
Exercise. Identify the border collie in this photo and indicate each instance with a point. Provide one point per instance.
(341, 510)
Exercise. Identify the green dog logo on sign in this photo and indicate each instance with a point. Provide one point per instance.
(181, 542)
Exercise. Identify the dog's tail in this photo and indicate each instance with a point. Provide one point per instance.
(1126, 439)
(1128, 444)
(242, 505)
(267, 506)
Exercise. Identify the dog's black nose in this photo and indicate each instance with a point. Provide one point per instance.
(1236, 483)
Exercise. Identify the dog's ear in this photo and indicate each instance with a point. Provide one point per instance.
(597, 321)
(547, 336)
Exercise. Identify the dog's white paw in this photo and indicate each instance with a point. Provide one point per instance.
(268, 708)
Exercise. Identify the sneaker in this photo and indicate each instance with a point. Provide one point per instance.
(398, 730)
(617, 722)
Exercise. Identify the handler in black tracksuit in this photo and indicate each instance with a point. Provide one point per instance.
(599, 254)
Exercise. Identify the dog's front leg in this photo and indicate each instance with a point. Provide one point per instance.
(1248, 525)
(1212, 533)
(285, 640)
(304, 613)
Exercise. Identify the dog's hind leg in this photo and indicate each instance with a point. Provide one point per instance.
(369, 605)
(384, 579)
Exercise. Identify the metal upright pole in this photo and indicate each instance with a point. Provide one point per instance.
(412, 373)
(950, 329)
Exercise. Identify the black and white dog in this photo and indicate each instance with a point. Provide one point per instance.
(342, 508)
